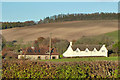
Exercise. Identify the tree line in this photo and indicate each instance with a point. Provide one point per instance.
(63, 18)
(7, 25)
(79, 16)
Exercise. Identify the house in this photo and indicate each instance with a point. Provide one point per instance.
(83, 51)
(7, 53)
(38, 53)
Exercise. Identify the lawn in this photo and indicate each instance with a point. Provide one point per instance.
(84, 59)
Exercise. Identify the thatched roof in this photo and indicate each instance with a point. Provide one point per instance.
(83, 47)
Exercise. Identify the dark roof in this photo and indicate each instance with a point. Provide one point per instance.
(38, 51)
(83, 47)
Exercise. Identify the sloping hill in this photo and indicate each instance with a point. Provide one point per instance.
(71, 30)
(114, 35)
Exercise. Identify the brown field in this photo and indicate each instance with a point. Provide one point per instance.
(71, 30)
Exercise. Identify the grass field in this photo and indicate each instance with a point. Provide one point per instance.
(71, 30)
(113, 35)
(83, 59)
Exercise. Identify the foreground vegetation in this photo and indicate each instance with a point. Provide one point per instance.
(82, 69)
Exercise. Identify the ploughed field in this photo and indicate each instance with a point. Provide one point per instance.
(70, 30)
(38, 69)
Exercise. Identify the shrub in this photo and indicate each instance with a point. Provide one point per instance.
(69, 70)
(61, 56)
(113, 54)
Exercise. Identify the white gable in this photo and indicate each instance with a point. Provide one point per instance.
(70, 53)
(32, 47)
(87, 50)
(95, 50)
(77, 50)
(103, 48)
(70, 43)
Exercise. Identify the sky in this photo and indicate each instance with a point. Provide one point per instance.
(26, 11)
(59, 0)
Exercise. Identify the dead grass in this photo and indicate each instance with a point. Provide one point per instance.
(65, 30)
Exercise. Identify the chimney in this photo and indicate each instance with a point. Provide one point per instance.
(70, 43)
(32, 47)
(103, 46)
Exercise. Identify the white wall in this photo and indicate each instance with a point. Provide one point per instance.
(70, 53)
(36, 56)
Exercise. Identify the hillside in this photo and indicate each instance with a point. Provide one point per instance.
(113, 35)
(70, 30)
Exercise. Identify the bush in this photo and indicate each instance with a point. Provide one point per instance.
(69, 70)
(116, 47)
(113, 54)
(61, 56)
(3, 41)
(22, 57)
(61, 46)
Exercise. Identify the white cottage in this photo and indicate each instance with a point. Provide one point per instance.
(88, 51)
(38, 53)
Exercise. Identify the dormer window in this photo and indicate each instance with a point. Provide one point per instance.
(29, 50)
(86, 51)
(103, 50)
(94, 50)
(39, 50)
(76, 50)
(35, 51)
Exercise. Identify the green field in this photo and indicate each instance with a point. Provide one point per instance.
(113, 35)
(84, 59)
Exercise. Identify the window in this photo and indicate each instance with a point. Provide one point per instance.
(39, 50)
(77, 51)
(39, 57)
(35, 51)
(94, 50)
(103, 50)
(10, 57)
(86, 51)
(46, 57)
(53, 57)
(29, 50)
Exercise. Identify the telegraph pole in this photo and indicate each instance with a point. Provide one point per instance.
(50, 45)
